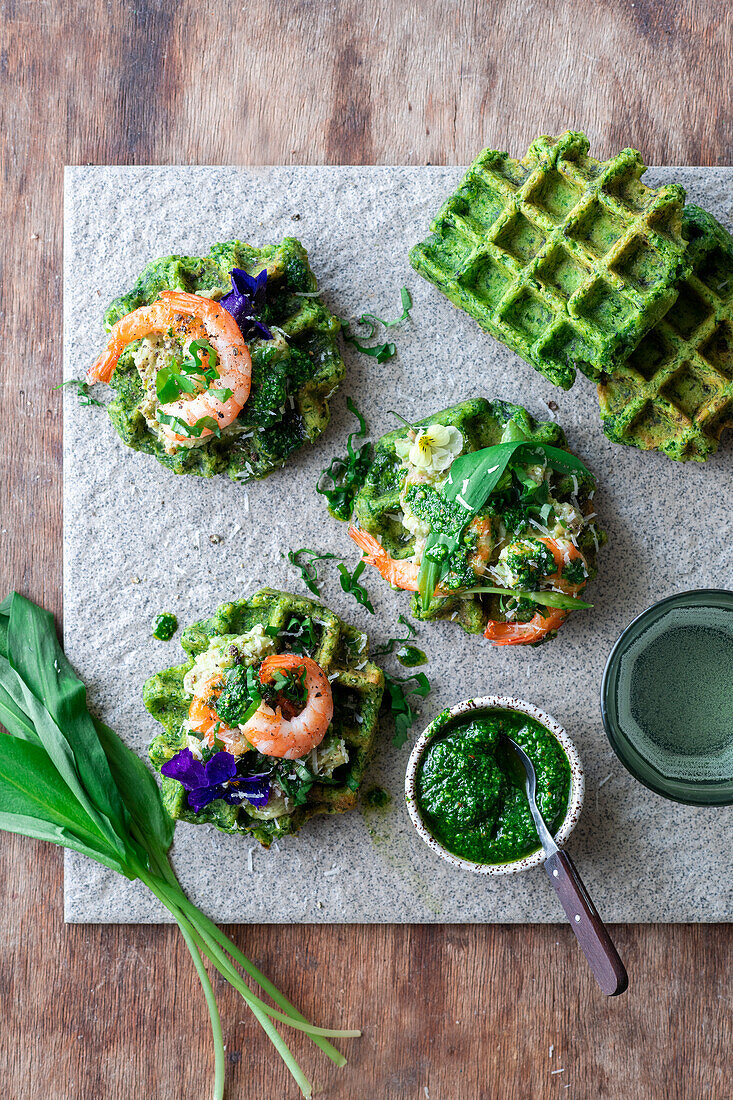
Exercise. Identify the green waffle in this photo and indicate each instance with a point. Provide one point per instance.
(675, 392)
(357, 684)
(566, 259)
(293, 376)
(481, 422)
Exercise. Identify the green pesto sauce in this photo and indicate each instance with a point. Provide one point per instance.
(470, 787)
(410, 656)
(165, 626)
(376, 798)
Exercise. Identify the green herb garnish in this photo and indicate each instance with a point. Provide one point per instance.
(471, 480)
(82, 391)
(67, 778)
(195, 362)
(350, 584)
(380, 352)
(308, 567)
(547, 599)
(408, 655)
(347, 474)
(180, 427)
(306, 561)
(374, 321)
(170, 384)
(397, 698)
(222, 395)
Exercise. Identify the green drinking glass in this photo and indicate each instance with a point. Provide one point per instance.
(667, 697)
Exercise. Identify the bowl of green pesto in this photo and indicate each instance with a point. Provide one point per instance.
(465, 788)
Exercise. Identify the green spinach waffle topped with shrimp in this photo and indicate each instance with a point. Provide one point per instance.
(485, 516)
(272, 718)
(222, 363)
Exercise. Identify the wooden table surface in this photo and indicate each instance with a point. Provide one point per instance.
(448, 1012)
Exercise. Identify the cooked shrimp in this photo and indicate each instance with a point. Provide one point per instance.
(274, 735)
(202, 317)
(404, 574)
(524, 633)
(539, 625)
(400, 574)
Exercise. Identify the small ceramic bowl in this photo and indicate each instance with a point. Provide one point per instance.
(577, 782)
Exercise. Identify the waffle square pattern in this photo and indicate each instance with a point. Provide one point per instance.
(675, 392)
(566, 259)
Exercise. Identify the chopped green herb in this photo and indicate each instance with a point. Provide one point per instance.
(350, 584)
(349, 581)
(408, 655)
(180, 427)
(308, 566)
(380, 352)
(222, 395)
(82, 391)
(347, 474)
(169, 385)
(196, 360)
(374, 321)
(396, 698)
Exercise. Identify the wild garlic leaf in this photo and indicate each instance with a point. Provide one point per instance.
(137, 787)
(62, 720)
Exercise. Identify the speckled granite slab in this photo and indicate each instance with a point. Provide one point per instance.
(138, 540)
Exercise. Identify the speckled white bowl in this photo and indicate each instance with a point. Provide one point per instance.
(577, 783)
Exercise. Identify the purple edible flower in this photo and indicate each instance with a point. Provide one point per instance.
(217, 778)
(245, 300)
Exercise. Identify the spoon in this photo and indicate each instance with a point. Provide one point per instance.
(585, 922)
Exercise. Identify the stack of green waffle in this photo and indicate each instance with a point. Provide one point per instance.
(357, 685)
(675, 391)
(577, 265)
(293, 375)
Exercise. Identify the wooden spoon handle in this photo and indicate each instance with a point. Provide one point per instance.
(590, 930)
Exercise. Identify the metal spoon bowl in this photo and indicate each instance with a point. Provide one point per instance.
(575, 800)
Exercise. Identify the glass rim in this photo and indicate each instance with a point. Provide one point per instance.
(688, 792)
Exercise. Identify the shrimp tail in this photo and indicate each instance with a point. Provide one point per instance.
(373, 551)
(103, 367)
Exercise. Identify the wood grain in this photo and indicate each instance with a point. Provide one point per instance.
(449, 1013)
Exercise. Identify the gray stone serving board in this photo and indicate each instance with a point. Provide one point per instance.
(137, 541)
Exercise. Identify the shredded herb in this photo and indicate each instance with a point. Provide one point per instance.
(308, 566)
(374, 321)
(350, 584)
(306, 561)
(195, 361)
(67, 778)
(82, 391)
(408, 655)
(380, 352)
(170, 384)
(180, 427)
(397, 698)
(347, 475)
